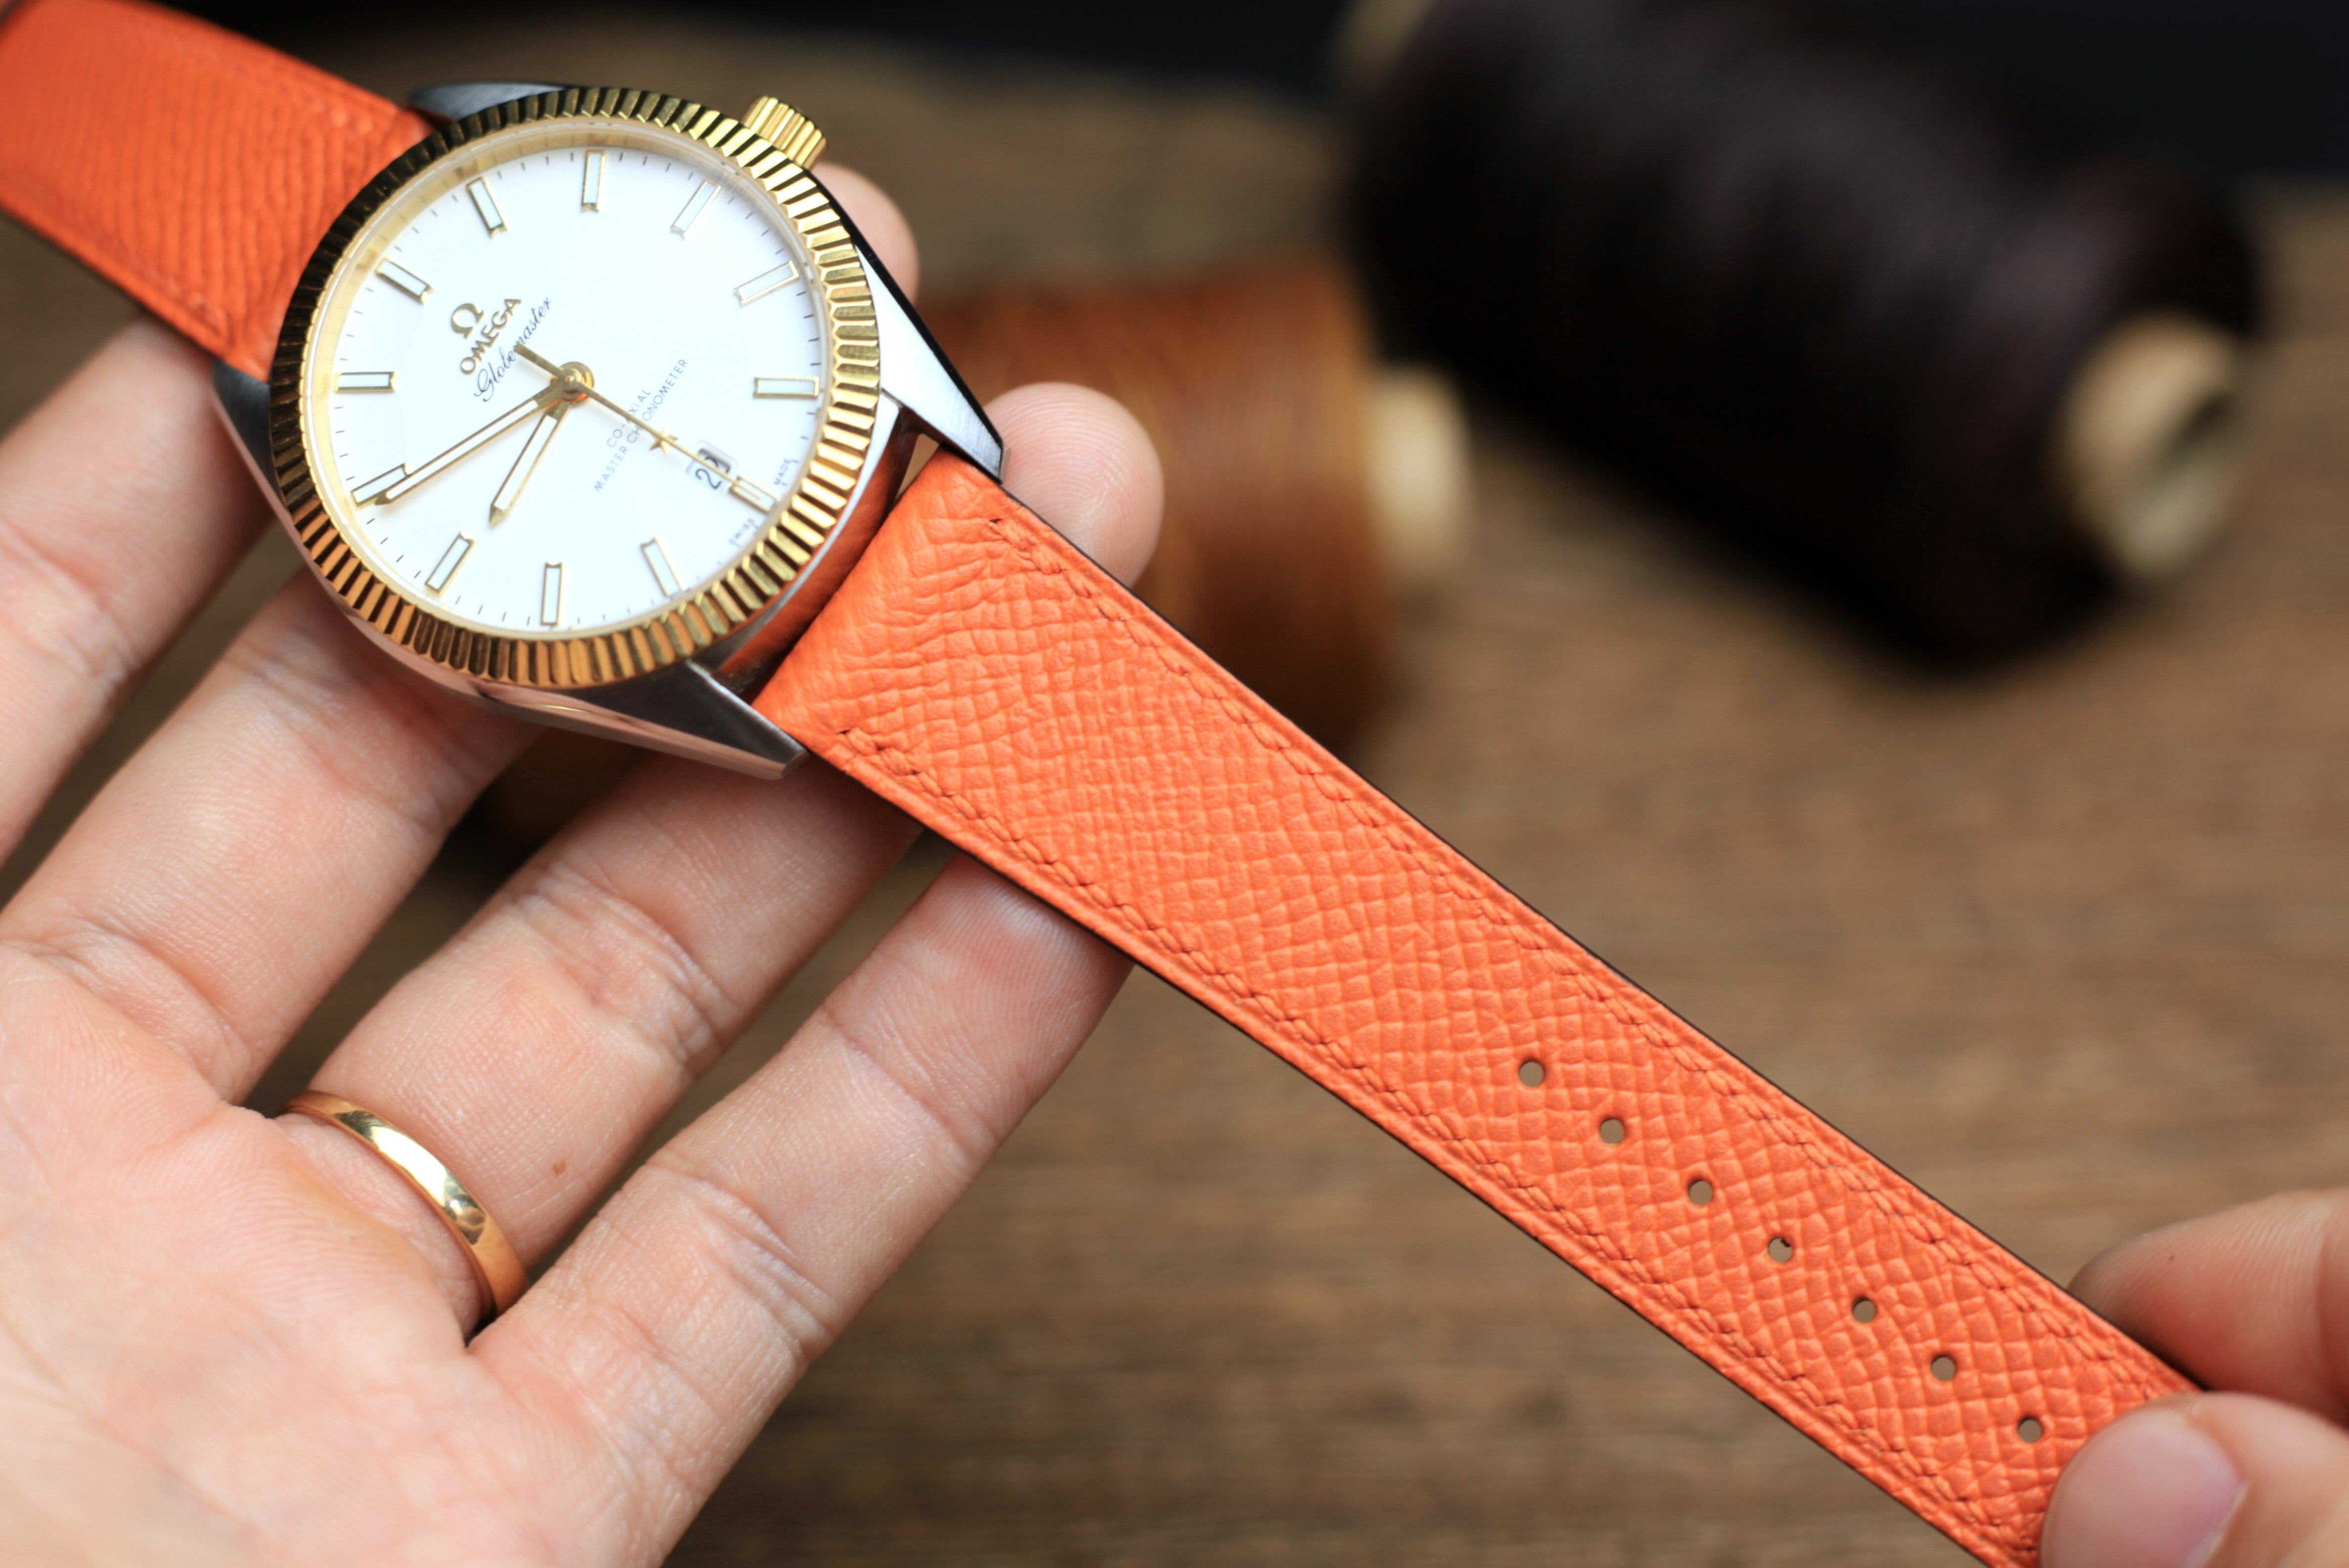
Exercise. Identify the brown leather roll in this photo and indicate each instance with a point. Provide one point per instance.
(1255, 383)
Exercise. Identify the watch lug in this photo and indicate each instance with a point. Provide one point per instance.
(449, 101)
(915, 372)
(680, 709)
(244, 404)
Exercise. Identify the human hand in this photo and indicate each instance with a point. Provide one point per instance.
(225, 1338)
(2252, 1302)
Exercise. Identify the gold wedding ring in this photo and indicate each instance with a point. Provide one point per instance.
(496, 1265)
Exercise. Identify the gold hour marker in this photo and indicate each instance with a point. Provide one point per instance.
(693, 206)
(783, 386)
(657, 559)
(550, 595)
(378, 485)
(743, 490)
(591, 183)
(403, 280)
(766, 284)
(450, 559)
(486, 205)
(363, 381)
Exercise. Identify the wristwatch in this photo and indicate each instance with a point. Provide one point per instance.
(590, 404)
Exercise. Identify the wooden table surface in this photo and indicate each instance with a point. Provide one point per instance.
(2070, 947)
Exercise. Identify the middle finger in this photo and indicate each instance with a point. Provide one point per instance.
(234, 867)
(538, 1049)
(544, 1042)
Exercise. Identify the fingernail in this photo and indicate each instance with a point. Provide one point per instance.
(2150, 1491)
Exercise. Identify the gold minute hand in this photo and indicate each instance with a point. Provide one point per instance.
(466, 447)
(741, 488)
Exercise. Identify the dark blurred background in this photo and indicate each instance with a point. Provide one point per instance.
(2233, 86)
(2238, 87)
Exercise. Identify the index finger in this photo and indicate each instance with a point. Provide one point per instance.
(191, 896)
(121, 507)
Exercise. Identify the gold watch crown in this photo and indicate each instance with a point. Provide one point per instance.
(791, 131)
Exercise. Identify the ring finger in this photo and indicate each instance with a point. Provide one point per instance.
(537, 1050)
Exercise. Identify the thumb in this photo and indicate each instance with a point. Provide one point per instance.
(2205, 1480)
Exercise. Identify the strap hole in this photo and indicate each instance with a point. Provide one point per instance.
(1863, 1310)
(2030, 1429)
(1944, 1368)
(1611, 1130)
(1700, 1192)
(1781, 1250)
(1530, 1074)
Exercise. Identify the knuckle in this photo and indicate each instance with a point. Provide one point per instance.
(139, 979)
(742, 1247)
(627, 966)
(62, 610)
(311, 694)
(969, 1141)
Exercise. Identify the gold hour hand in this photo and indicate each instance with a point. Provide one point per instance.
(525, 463)
(739, 489)
(410, 477)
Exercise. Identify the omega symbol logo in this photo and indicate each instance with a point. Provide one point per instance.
(479, 331)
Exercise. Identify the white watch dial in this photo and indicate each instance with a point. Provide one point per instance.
(684, 356)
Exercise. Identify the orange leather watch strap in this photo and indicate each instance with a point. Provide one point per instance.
(195, 169)
(987, 677)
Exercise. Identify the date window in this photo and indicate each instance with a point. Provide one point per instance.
(716, 462)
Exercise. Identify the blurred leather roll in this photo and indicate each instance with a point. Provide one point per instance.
(1836, 302)
(1310, 489)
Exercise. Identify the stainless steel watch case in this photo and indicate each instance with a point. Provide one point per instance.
(699, 707)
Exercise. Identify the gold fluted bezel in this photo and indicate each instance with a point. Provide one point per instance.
(762, 573)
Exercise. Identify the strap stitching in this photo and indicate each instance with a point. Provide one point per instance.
(1689, 1308)
(1147, 636)
(1173, 657)
(2021, 1290)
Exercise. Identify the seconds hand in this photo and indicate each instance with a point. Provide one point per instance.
(739, 489)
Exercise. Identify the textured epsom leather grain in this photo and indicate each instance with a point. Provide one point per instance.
(987, 679)
(983, 676)
(195, 169)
